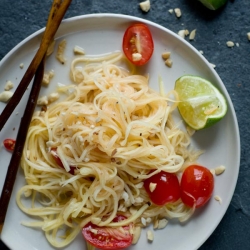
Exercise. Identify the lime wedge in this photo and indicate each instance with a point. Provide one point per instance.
(213, 4)
(201, 103)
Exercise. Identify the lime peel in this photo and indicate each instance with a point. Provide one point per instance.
(201, 104)
(213, 4)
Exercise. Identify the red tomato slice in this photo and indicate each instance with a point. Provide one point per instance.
(59, 162)
(108, 238)
(9, 144)
(197, 184)
(138, 39)
(167, 188)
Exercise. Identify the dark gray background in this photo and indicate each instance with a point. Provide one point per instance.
(20, 18)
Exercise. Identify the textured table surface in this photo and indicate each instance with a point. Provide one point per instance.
(19, 19)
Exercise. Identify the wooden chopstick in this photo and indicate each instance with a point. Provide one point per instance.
(57, 12)
(20, 140)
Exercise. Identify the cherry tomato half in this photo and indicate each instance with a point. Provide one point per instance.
(9, 144)
(167, 188)
(59, 162)
(108, 238)
(138, 39)
(197, 184)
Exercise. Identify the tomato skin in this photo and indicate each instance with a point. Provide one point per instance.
(59, 162)
(197, 184)
(167, 188)
(104, 239)
(9, 144)
(143, 35)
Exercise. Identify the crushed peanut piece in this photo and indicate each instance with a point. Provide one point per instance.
(42, 101)
(177, 12)
(169, 62)
(201, 51)
(213, 65)
(143, 221)
(218, 198)
(94, 231)
(181, 33)
(47, 77)
(171, 11)
(220, 170)
(9, 85)
(53, 97)
(166, 55)
(136, 234)
(60, 52)
(192, 34)
(150, 235)
(5, 96)
(186, 32)
(145, 6)
(152, 186)
(78, 50)
(248, 36)
(162, 223)
(21, 65)
(230, 44)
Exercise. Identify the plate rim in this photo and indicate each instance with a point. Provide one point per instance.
(194, 50)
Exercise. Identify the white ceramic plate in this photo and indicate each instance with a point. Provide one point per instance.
(103, 33)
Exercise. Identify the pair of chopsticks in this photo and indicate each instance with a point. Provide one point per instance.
(36, 68)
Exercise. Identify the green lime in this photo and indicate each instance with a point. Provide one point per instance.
(201, 103)
(213, 4)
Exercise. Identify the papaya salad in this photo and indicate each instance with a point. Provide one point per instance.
(109, 159)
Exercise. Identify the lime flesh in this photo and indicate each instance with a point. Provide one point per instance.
(213, 4)
(201, 104)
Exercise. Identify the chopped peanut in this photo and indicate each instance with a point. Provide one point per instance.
(162, 223)
(192, 35)
(166, 55)
(152, 186)
(248, 36)
(78, 50)
(169, 62)
(218, 198)
(230, 44)
(8, 86)
(219, 170)
(145, 6)
(60, 52)
(181, 33)
(5, 96)
(136, 234)
(150, 235)
(177, 12)
(42, 101)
